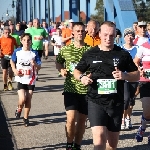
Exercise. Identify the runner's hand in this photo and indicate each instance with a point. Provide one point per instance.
(33, 63)
(119, 75)
(41, 37)
(141, 71)
(18, 73)
(63, 72)
(85, 80)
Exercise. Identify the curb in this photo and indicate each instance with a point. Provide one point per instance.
(8, 125)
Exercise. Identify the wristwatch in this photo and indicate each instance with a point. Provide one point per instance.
(81, 76)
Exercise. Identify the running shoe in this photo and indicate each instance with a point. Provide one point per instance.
(18, 112)
(26, 122)
(149, 140)
(46, 57)
(139, 134)
(123, 125)
(128, 123)
(10, 87)
(5, 87)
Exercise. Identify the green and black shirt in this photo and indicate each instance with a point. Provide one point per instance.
(70, 55)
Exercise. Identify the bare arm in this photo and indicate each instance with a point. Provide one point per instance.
(67, 38)
(61, 69)
(85, 79)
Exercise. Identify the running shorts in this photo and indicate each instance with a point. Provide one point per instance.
(75, 101)
(129, 93)
(5, 63)
(144, 89)
(25, 86)
(111, 118)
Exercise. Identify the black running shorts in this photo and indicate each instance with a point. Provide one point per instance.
(100, 116)
(5, 63)
(40, 53)
(144, 89)
(25, 86)
(129, 94)
(74, 101)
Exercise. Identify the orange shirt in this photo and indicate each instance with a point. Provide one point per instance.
(67, 33)
(92, 41)
(7, 45)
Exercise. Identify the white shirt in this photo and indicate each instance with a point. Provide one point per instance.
(25, 67)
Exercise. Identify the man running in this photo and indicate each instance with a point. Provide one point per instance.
(7, 44)
(92, 36)
(129, 87)
(74, 92)
(25, 62)
(109, 66)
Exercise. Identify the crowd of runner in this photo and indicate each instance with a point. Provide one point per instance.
(102, 76)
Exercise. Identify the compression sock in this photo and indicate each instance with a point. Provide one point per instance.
(144, 121)
(77, 146)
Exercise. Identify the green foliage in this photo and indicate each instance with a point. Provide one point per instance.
(99, 15)
(142, 11)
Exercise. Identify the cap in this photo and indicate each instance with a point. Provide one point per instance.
(129, 31)
(142, 23)
(71, 20)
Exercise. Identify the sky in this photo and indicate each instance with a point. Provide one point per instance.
(7, 5)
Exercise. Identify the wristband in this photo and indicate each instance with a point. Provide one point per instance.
(81, 76)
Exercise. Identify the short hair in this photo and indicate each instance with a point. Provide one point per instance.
(78, 24)
(25, 34)
(108, 23)
(6, 28)
(135, 23)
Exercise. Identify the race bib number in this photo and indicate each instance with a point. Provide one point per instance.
(107, 86)
(147, 73)
(25, 72)
(37, 38)
(72, 67)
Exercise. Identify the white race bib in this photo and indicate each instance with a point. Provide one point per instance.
(107, 86)
(72, 67)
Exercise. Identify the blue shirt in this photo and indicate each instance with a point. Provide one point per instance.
(132, 50)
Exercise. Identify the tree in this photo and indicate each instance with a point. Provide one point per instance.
(99, 8)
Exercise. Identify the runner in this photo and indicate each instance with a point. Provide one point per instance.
(107, 64)
(7, 44)
(38, 35)
(56, 41)
(24, 63)
(67, 35)
(92, 36)
(46, 41)
(143, 54)
(13, 34)
(74, 91)
(129, 87)
(141, 34)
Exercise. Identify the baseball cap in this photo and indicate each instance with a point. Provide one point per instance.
(142, 23)
(71, 20)
(129, 31)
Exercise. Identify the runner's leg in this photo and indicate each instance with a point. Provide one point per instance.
(112, 140)
(80, 128)
(99, 137)
(27, 107)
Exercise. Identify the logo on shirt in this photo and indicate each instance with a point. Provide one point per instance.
(24, 63)
(116, 61)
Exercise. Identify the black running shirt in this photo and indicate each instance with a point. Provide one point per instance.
(101, 64)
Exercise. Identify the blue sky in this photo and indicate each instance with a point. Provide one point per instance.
(7, 5)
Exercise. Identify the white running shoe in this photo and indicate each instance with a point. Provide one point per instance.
(128, 123)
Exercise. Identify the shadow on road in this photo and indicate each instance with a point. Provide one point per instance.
(5, 135)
